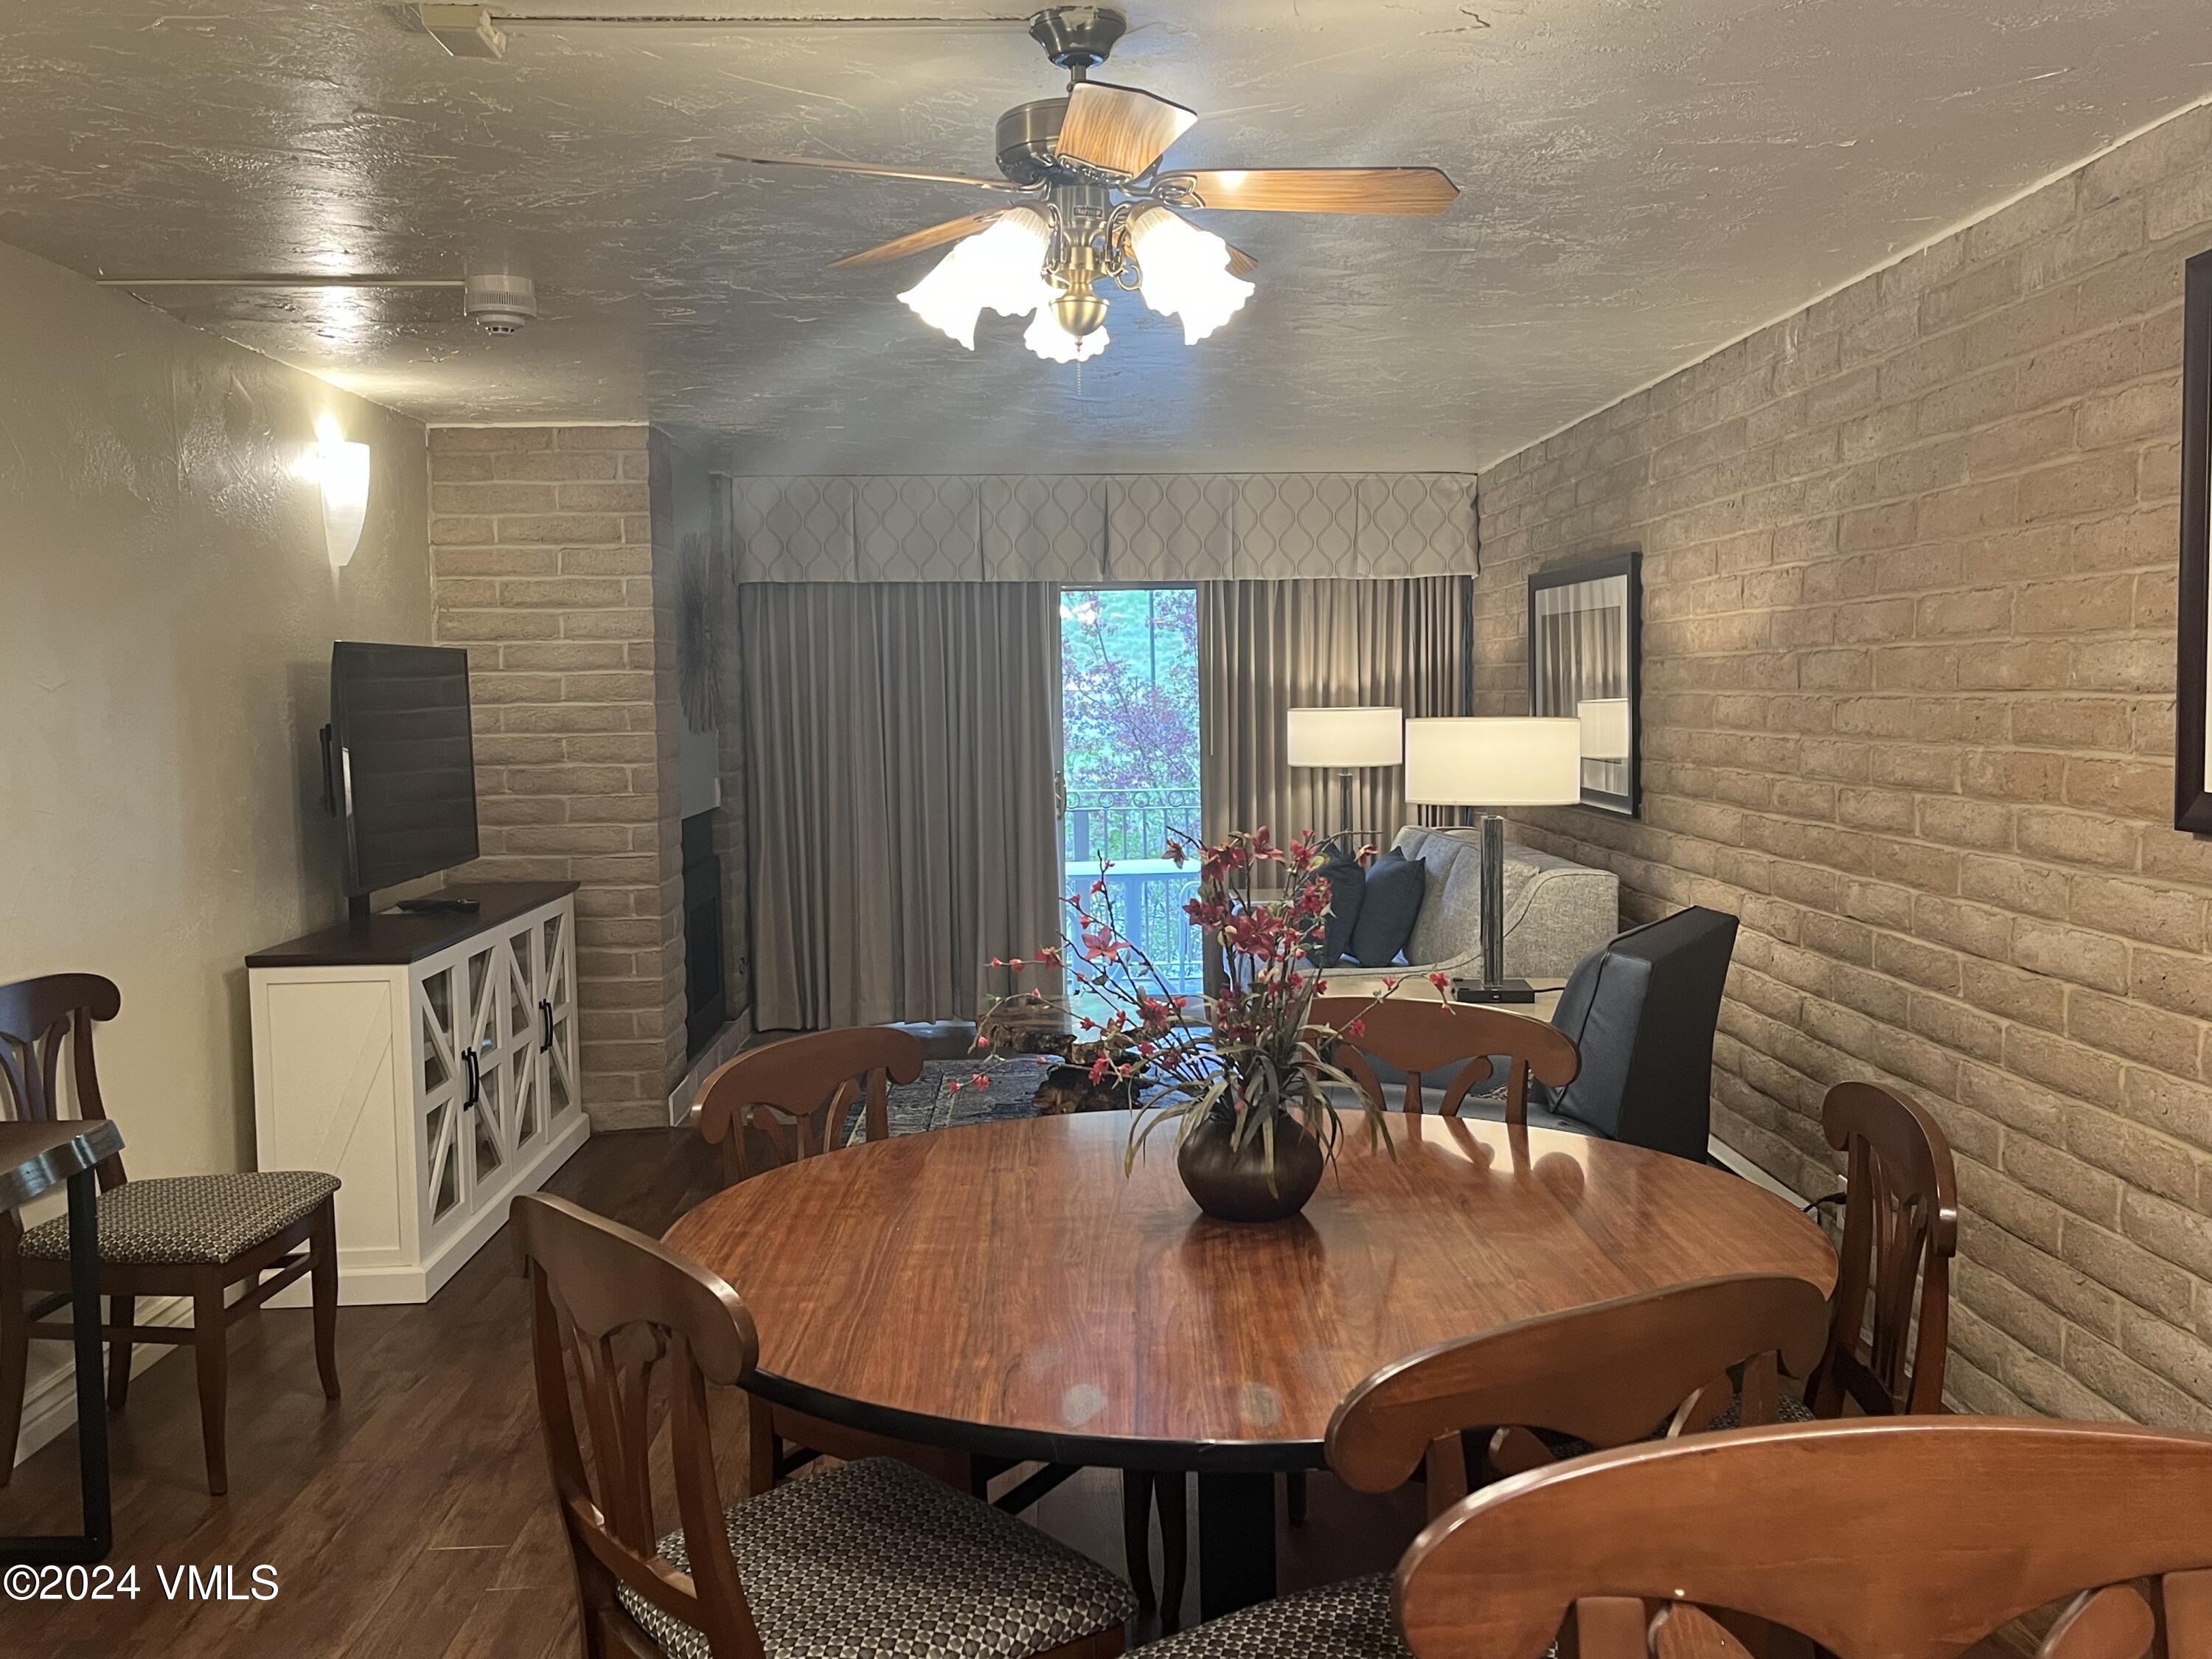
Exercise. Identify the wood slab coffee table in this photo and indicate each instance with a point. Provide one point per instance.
(1002, 1290)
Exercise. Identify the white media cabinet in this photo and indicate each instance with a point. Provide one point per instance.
(429, 1062)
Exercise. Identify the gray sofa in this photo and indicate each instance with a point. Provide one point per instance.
(1556, 913)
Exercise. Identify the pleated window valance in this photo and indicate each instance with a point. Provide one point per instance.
(1172, 527)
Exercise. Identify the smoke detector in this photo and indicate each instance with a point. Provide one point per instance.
(500, 304)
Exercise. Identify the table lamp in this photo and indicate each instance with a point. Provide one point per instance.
(1346, 740)
(1493, 763)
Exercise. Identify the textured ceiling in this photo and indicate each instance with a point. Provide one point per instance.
(1643, 179)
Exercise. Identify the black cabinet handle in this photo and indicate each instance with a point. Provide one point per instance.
(545, 1013)
(469, 1064)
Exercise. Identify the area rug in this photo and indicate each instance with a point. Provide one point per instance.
(930, 1102)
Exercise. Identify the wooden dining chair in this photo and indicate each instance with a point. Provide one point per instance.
(1455, 1042)
(793, 1097)
(1425, 1038)
(1606, 1375)
(870, 1557)
(797, 1097)
(1592, 1377)
(1930, 1535)
(188, 1237)
(1892, 1319)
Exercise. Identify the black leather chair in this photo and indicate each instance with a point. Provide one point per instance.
(1643, 1012)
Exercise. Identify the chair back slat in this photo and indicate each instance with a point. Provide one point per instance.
(1931, 1533)
(1609, 1374)
(616, 1308)
(1458, 1040)
(2187, 1598)
(1900, 1231)
(2112, 1623)
(795, 1093)
(1688, 1633)
(40, 1019)
(1611, 1627)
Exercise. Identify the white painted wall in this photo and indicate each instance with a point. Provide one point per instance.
(167, 612)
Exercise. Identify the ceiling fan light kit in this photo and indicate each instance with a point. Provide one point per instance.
(1097, 209)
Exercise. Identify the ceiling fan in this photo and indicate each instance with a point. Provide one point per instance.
(1094, 205)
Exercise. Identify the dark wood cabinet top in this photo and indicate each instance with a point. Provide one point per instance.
(391, 937)
(1004, 1289)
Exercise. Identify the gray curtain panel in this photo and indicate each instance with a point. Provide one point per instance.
(1266, 647)
(901, 740)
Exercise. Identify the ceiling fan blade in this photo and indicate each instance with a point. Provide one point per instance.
(917, 241)
(870, 170)
(1313, 190)
(1240, 264)
(1119, 130)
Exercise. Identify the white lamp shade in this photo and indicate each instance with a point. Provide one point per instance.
(1000, 269)
(1346, 737)
(1494, 762)
(1605, 728)
(1186, 271)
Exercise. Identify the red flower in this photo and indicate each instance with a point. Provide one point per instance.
(979, 1081)
(1441, 981)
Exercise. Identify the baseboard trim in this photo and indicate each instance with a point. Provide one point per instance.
(50, 1389)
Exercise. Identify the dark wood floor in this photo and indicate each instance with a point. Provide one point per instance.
(412, 1519)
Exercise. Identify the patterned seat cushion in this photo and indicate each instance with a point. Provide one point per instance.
(1350, 1621)
(1786, 1410)
(876, 1560)
(176, 1220)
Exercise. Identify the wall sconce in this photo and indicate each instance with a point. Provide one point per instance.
(340, 470)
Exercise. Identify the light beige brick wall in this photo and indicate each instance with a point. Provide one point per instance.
(541, 542)
(1909, 636)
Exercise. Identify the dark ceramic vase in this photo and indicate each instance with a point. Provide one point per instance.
(1230, 1182)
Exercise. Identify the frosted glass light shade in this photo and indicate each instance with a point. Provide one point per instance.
(1000, 269)
(1185, 271)
(341, 473)
(1494, 762)
(1345, 737)
(1056, 345)
(1605, 728)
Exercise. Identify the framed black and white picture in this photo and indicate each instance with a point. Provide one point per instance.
(2192, 753)
(1585, 662)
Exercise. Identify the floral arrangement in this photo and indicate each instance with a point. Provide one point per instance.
(1254, 1055)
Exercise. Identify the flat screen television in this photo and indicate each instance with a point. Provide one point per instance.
(402, 762)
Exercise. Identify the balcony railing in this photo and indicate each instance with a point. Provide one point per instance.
(1131, 828)
(1127, 823)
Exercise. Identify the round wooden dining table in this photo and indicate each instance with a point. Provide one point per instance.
(1004, 1290)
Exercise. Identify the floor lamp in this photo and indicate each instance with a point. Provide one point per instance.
(1493, 763)
(1346, 740)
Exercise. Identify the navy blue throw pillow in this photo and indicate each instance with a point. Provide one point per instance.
(1389, 908)
(1347, 886)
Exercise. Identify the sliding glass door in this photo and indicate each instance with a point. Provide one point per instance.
(1129, 761)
